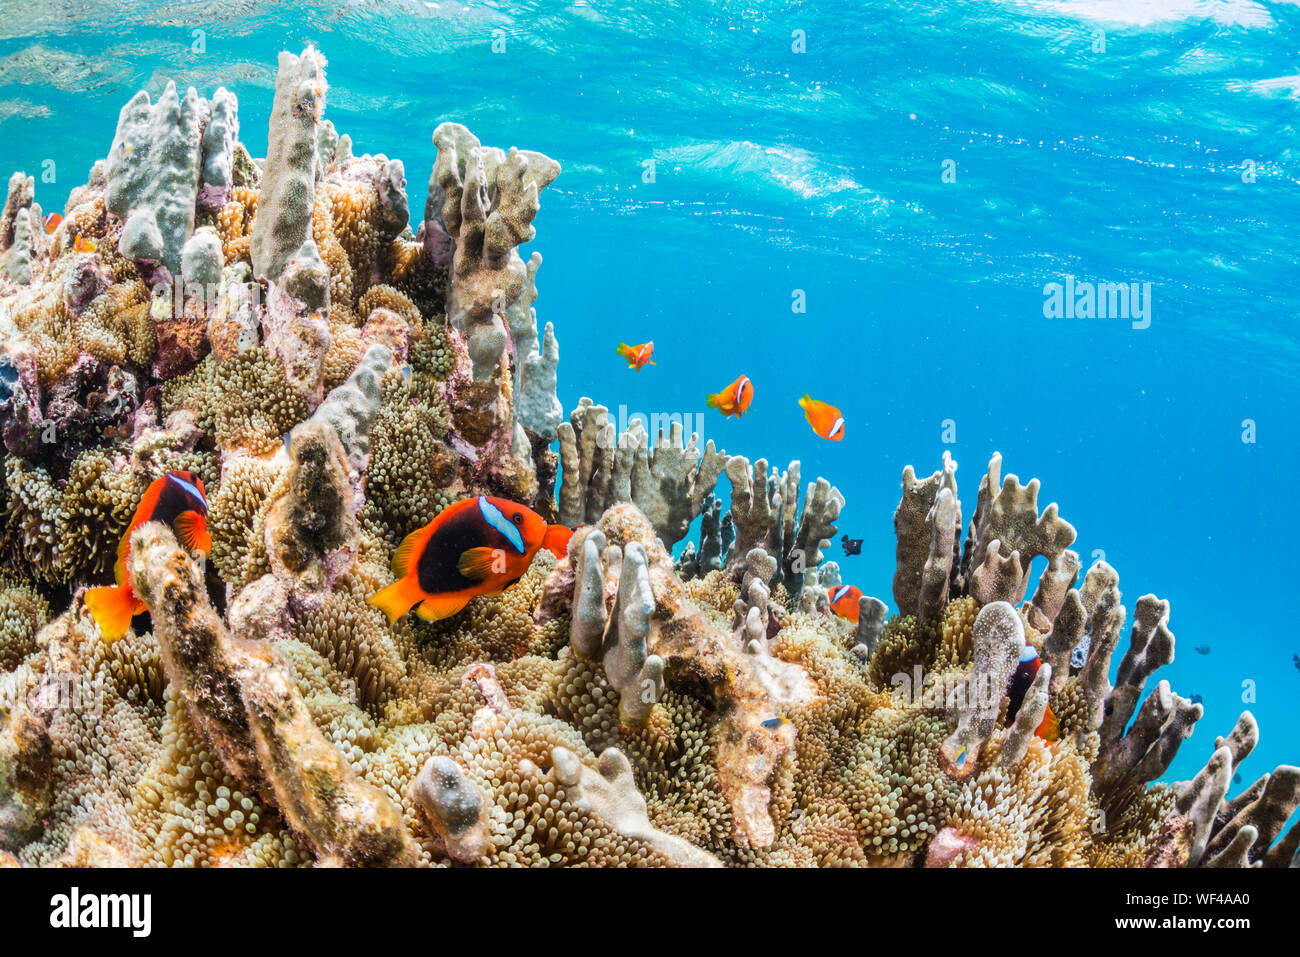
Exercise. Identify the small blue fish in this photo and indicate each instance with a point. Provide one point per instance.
(1202, 649)
(1196, 699)
(406, 373)
(773, 723)
(1236, 778)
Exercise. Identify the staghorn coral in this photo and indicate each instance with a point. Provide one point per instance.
(601, 711)
(669, 483)
(766, 513)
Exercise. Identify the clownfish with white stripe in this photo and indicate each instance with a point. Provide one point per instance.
(844, 601)
(178, 500)
(637, 356)
(826, 420)
(478, 546)
(734, 399)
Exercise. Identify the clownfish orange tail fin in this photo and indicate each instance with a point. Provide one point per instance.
(112, 607)
(623, 349)
(398, 598)
(713, 400)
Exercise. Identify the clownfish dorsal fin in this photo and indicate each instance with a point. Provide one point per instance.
(148, 502)
(476, 563)
(408, 552)
(119, 566)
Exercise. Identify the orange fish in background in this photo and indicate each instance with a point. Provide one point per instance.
(734, 399)
(51, 222)
(179, 500)
(637, 356)
(83, 245)
(844, 601)
(478, 546)
(826, 420)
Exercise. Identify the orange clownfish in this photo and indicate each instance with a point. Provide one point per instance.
(51, 222)
(178, 500)
(844, 601)
(478, 546)
(1049, 728)
(826, 420)
(83, 245)
(637, 356)
(734, 399)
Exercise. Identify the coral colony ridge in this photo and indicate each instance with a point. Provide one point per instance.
(335, 379)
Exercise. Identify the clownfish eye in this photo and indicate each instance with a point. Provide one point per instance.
(518, 518)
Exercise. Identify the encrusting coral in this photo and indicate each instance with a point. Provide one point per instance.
(336, 377)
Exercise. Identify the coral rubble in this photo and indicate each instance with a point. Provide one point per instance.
(337, 377)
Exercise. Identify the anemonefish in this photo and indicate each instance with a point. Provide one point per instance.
(637, 356)
(51, 222)
(1048, 729)
(478, 546)
(177, 499)
(734, 399)
(844, 601)
(826, 420)
(83, 245)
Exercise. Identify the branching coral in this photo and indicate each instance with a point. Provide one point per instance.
(766, 513)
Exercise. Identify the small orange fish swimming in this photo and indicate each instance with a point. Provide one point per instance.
(734, 399)
(51, 222)
(478, 546)
(637, 356)
(826, 420)
(177, 499)
(83, 245)
(844, 601)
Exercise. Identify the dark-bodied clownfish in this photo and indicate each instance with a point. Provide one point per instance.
(1048, 729)
(734, 399)
(826, 420)
(844, 601)
(478, 546)
(178, 500)
(637, 356)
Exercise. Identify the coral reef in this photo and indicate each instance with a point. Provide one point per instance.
(337, 376)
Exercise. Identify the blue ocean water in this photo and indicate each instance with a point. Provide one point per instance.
(1134, 141)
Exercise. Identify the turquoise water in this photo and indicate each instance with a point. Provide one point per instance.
(822, 171)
